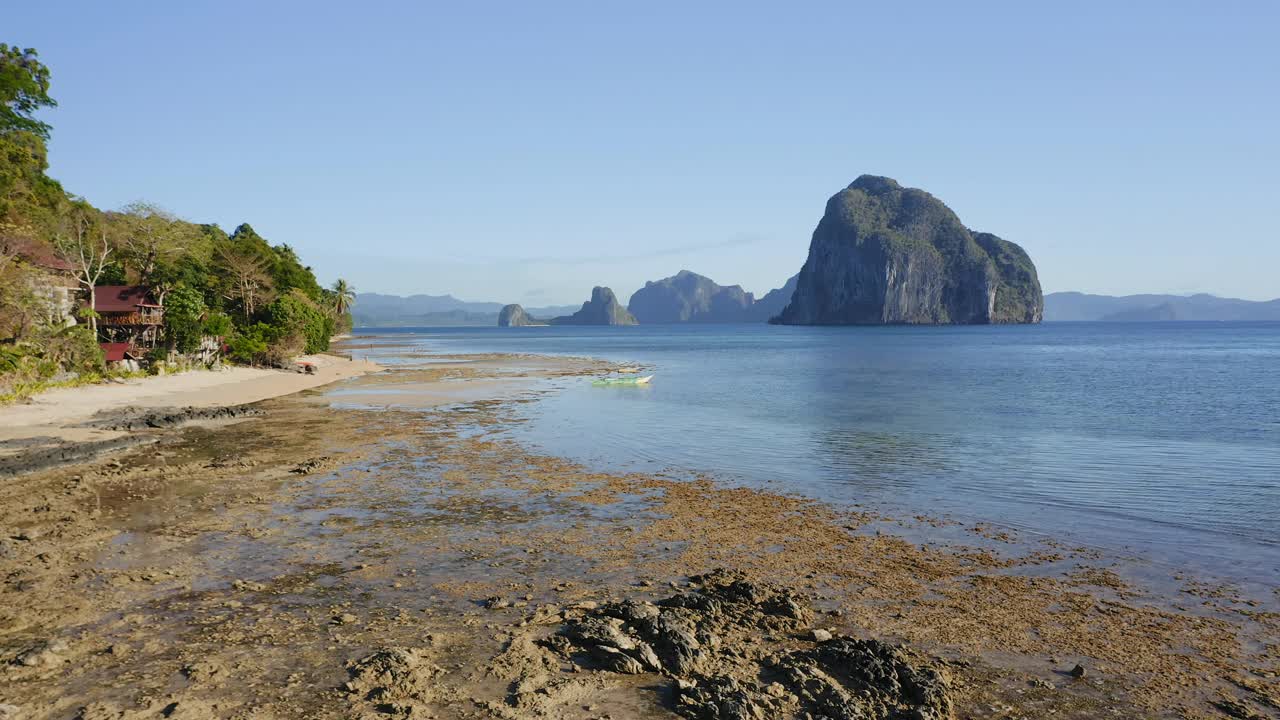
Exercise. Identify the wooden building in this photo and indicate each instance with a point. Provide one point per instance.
(128, 314)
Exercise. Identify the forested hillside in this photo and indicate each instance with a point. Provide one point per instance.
(203, 284)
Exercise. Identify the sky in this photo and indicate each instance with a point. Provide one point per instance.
(524, 152)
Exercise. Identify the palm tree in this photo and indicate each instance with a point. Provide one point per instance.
(344, 296)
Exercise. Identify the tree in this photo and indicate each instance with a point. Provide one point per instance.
(24, 89)
(249, 282)
(27, 195)
(344, 296)
(82, 242)
(152, 237)
(294, 313)
(184, 319)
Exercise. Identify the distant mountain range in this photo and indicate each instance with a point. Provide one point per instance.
(684, 297)
(1069, 306)
(688, 297)
(378, 310)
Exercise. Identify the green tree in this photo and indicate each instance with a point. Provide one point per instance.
(184, 311)
(24, 89)
(344, 296)
(28, 197)
(295, 313)
(250, 344)
(154, 244)
(218, 324)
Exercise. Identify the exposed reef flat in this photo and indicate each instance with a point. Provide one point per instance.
(333, 562)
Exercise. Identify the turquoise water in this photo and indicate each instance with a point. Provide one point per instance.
(1160, 441)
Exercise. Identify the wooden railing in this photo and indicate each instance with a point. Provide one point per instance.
(134, 318)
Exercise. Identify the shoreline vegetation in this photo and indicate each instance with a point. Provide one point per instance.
(90, 295)
(381, 548)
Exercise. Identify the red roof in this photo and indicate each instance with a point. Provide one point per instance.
(122, 298)
(115, 352)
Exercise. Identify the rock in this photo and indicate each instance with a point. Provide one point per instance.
(1078, 671)
(708, 640)
(45, 654)
(690, 297)
(602, 309)
(100, 711)
(1237, 709)
(515, 316)
(613, 659)
(884, 254)
(723, 698)
(202, 671)
(10, 712)
(393, 674)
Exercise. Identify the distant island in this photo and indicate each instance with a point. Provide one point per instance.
(1076, 306)
(382, 310)
(602, 309)
(688, 297)
(885, 254)
(515, 316)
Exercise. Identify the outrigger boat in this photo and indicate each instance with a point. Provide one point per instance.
(623, 380)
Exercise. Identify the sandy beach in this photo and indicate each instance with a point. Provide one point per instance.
(380, 548)
(61, 414)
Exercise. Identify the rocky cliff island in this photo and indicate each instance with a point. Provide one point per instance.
(602, 309)
(885, 254)
(514, 316)
(688, 297)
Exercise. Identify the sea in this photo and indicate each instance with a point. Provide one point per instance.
(1158, 442)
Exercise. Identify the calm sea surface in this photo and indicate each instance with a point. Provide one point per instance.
(1161, 440)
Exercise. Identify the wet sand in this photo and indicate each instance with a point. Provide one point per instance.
(255, 570)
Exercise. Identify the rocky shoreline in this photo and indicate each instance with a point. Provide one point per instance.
(312, 561)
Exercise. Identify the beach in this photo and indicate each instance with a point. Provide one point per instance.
(61, 414)
(380, 547)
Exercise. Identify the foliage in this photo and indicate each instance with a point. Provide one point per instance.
(24, 89)
(218, 324)
(297, 314)
(53, 355)
(27, 196)
(184, 318)
(259, 297)
(344, 296)
(249, 344)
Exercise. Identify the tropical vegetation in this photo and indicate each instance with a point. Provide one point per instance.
(256, 297)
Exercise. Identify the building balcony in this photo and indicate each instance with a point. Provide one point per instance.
(131, 319)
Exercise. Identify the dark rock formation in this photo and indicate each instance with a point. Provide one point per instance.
(887, 254)
(601, 309)
(717, 643)
(690, 297)
(515, 316)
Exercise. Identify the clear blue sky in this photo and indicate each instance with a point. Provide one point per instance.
(524, 152)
